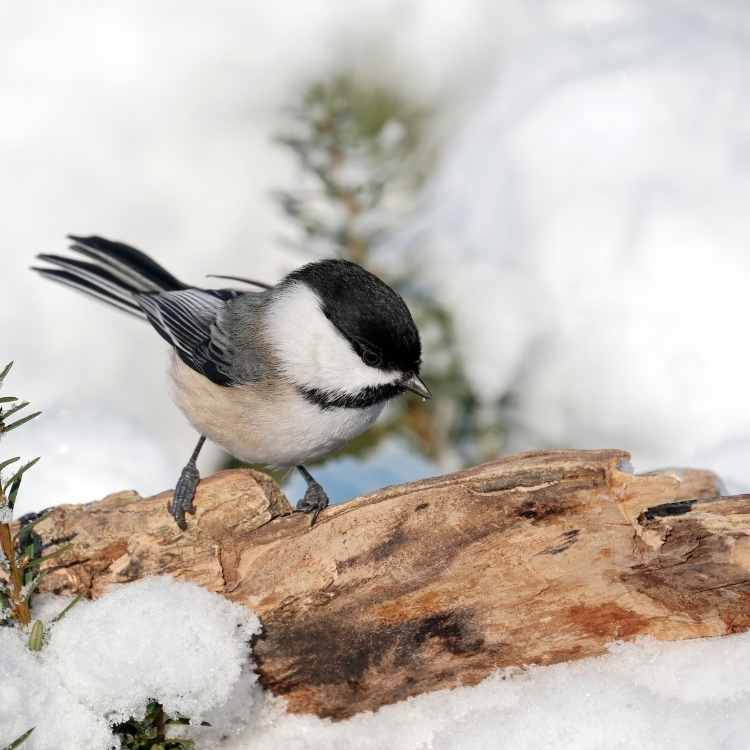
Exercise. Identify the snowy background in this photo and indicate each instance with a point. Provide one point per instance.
(586, 221)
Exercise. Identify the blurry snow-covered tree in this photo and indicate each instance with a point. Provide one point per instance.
(362, 155)
(358, 149)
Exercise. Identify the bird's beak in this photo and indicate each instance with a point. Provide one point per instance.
(415, 384)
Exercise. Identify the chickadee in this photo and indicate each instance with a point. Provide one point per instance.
(278, 376)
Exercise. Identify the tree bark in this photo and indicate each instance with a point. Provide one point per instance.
(531, 559)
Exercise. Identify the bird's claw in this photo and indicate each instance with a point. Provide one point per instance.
(184, 492)
(314, 501)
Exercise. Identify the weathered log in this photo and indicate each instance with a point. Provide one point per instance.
(532, 559)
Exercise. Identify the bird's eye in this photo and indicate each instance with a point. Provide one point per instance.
(370, 358)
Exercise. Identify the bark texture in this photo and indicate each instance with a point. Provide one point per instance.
(531, 559)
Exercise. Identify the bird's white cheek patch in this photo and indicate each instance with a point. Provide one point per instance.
(312, 353)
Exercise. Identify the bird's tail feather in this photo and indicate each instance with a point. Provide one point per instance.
(118, 273)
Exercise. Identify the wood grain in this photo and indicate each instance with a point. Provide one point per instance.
(530, 559)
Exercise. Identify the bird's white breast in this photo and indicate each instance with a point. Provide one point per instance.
(266, 423)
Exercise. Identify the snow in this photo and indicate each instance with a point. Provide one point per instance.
(164, 639)
(634, 698)
(156, 639)
(31, 696)
(596, 204)
(87, 453)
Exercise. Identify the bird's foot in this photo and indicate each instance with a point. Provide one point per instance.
(184, 492)
(314, 501)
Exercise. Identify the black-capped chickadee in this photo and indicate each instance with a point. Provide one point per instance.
(278, 376)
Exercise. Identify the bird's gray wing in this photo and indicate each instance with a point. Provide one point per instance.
(193, 322)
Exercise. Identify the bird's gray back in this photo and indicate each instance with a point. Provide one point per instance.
(243, 325)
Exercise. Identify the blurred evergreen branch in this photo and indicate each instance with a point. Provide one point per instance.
(357, 149)
(362, 155)
(19, 583)
(21, 552)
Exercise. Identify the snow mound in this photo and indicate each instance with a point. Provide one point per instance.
(31, 696)
(155, 639)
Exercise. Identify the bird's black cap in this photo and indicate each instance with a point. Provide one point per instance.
(372, 316)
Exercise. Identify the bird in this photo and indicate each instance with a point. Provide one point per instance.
(277, 375)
